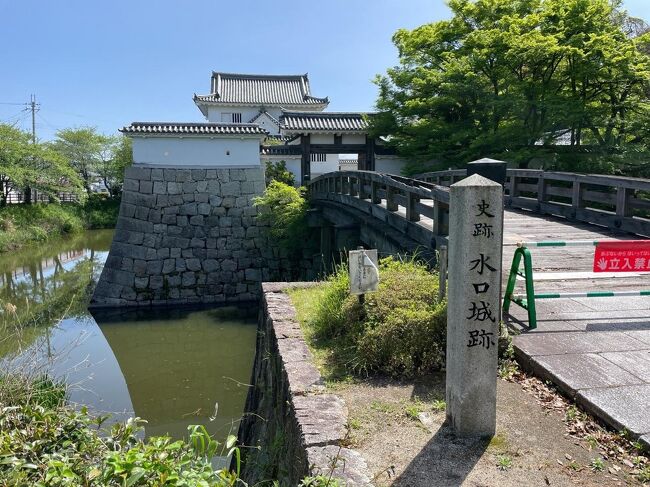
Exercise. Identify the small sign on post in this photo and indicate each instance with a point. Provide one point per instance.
(474, 304)
(364, 271)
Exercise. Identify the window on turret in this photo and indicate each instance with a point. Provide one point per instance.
(231, 117)
(319, 158)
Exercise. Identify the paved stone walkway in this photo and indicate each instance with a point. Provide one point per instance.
(596, 350)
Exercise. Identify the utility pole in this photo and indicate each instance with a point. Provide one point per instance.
(33, 106)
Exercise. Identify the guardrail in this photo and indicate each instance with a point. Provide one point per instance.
(417, 208)
(613, 201)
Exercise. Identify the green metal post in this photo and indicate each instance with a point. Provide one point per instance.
(512, 280)
(530, 288)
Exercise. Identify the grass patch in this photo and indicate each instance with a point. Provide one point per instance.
(24, 224)
(386, 334)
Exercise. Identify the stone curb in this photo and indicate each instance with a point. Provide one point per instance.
(321, 417)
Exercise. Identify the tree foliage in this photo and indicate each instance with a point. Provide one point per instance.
(277, 171)
(27, 165)
(508, 78)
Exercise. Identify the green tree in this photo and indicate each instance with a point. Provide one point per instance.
(85, 150)
(115, 157)
(26, 165)
(277, 171)
(506, 78)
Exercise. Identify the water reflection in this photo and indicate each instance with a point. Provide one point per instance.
(171, 367)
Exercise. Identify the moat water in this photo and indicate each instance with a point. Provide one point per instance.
(171, 367)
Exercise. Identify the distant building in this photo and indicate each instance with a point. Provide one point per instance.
(292, 122)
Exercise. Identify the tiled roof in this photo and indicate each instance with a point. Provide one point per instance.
(323, 121)
(176, 128)
(261, 89)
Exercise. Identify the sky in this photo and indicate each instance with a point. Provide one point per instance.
(106, 63)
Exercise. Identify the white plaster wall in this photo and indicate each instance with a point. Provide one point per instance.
(389, 164)
(353, 139)
(196, 151)
(331, 164)
(247, 113)
(266, 123)
(321, 139)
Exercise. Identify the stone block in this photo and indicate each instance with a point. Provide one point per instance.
(204, 208)
(157, 175)
(180, 265)
(201, 197)
(175, 199)
(142, 213)
(146, 187)
(156, 282)
(202, 186)
(196, 220)
(170, 174)
(169, 265)
(155, 215)
(210, 265)
(162, 200)
(169, 218)
(147, 200)
(131, 185)
(174, 230)
(188, 279)
(154, 267)
(183, 175)
(188, 209)
(188, 198)
(198, 174)
(137, 172)
(141, 282)
(253, 275)
(174, 188)
(215, 200)
(229, 265)
(225, 221)
(159, 187)
(231, 189)
(174, 252)
(197, 243)
(115, 276)
(193, 264)
(159, 228)
(189, 187)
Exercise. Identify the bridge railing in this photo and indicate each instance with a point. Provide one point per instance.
(613, 201)
(419, 208)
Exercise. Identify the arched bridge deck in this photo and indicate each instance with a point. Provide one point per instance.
(596, 350)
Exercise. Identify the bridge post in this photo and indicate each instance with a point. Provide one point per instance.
(474, 304)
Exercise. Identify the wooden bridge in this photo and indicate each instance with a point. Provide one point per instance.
(596, 350)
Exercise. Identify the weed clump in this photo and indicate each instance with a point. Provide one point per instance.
(399, 330)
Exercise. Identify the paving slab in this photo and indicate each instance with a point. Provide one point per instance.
(636, 362)
(622, 407)
(541, 343)
(572, 372)
(641, 335)
(614, 303)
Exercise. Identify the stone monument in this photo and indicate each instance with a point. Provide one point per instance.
(474, 304)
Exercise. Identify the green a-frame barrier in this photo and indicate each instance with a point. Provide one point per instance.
(529, 302)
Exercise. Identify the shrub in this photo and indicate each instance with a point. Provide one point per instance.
(44, 442)
(400, 330)
(284, 210)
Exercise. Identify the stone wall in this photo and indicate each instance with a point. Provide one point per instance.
(191, 236)
(299, 428)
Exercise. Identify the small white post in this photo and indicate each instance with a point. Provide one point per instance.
(474, 304)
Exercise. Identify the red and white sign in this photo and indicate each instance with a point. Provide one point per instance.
(622, 256)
